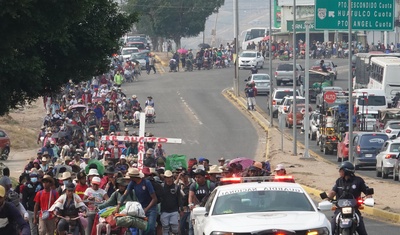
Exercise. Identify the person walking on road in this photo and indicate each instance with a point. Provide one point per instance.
(152, 62)
(251, 93)
(118, 79)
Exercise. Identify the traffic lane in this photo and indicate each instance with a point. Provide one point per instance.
(371, 225)
(189, 105)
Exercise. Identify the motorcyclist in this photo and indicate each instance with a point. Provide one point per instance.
(348, 186)
(69, 205)
(322, 66)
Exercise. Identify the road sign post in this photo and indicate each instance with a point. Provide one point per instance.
(366, 15)
(330, 97)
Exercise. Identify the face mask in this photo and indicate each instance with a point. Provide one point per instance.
(33, 180)
(65, 182)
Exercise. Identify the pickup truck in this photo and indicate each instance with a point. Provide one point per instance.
(284, 74)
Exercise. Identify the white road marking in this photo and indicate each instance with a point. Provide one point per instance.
(189, 109)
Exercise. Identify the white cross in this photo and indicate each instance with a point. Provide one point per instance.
(141, 139)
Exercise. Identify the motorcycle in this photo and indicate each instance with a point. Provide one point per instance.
(347, 219)
(73, 224)
(173, 65)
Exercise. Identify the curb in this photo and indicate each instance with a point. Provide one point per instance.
(375, 212)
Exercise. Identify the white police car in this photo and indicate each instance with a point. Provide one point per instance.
(264, 208)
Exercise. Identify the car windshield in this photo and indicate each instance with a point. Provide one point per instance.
(327, 64)
(260, 77)
(129, 51)
(139, 56)
(394, 125)
(298, 101)
(373, 140)
(281, 94)
(139, 45)
(395, 147)
(285, 67)
(264, 199)
(248, 54)
(372, 101)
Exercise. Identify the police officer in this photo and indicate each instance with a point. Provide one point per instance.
(348, 186)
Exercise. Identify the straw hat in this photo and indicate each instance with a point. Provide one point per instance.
(168, 173)
(48, 178)
(93, 172)
(214, 169)
(135, 173)
(66, 175)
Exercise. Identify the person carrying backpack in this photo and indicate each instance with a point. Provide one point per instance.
(199, 192)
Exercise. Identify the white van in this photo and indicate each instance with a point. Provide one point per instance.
(369, 101)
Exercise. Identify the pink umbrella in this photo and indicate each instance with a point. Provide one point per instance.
(182, 51)
(245, 162)
(266, 38)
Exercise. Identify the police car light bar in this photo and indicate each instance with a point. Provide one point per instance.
(271, 178)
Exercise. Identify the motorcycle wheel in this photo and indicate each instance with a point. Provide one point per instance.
(345, 232)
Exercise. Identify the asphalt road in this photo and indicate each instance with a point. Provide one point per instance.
(190, 106)
(341, 81)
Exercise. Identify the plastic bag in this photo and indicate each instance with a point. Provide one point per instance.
(131, 222)
(134, 209)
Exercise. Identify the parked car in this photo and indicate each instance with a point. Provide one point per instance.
(284, 74)
(250, 59)
(5, 145)
(366, 146)
(313, 121)
(287, 101)
(299, 111)
(330, 66)
(386, 158)
(262, 82)
(277, 96)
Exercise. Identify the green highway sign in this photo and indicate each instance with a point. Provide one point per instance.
(300, 26)
(366, 14)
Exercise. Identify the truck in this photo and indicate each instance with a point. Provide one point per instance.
(284, 74)
(317, 81)
(385, 115)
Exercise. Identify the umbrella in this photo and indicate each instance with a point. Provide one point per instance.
(204, 45)
(73, 127)
(78, 107)
(182, 51)
(245, 162)
(100, 166)
(266, 38)
(59, 134)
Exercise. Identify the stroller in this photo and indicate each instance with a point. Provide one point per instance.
(172, 65)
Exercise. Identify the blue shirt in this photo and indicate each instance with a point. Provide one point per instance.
(143, 192)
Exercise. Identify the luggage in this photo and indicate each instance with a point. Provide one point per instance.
(131, 222)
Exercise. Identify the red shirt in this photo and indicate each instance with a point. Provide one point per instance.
(80, 189)
(42, 197)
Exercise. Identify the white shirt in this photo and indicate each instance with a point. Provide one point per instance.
(98, 194)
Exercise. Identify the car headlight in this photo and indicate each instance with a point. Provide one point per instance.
(347, 210)
(318, 231)
(254, 60)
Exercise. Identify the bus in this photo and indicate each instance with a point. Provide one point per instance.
(361, 65)
(255, 35)
(383, 74)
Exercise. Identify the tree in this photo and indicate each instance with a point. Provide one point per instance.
(174, 19)
(46, 43)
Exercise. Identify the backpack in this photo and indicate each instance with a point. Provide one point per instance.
(13, 197)
(158, 189)
(208, 183)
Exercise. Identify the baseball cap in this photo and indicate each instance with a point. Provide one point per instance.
(279, 167)
(96, 180)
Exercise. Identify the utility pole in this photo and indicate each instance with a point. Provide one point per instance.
(271, 110)
(294, 82)
(236, 30)
(350, 88)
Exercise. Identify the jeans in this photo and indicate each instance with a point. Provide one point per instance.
(185, 219)
(191, 231)
(34, 227)
(170, 222)
(151, 214)
(360, 229)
